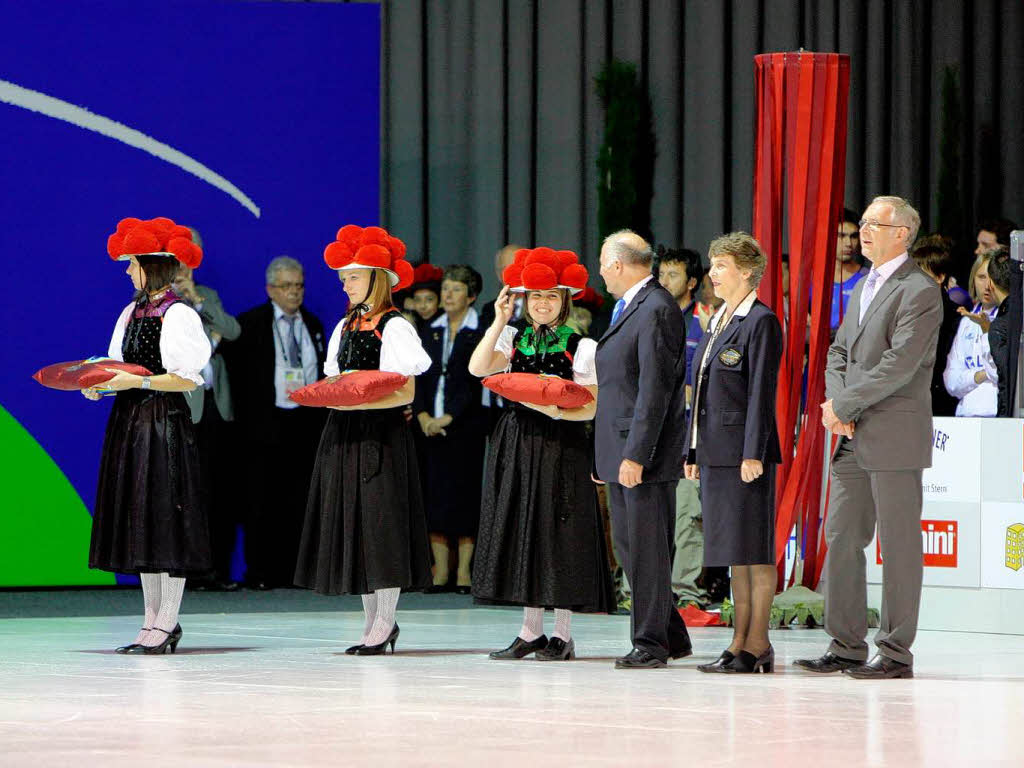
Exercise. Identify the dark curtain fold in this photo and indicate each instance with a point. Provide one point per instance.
(491, 123)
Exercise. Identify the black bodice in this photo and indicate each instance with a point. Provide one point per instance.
(359, 349)
(551, 355)
(141, 343)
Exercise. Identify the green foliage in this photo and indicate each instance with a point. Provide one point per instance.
(625, 161)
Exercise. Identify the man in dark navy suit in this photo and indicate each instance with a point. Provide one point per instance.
(639, 437)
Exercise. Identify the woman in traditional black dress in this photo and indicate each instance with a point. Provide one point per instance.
(365, 532)
(541, 541)
(149, 520)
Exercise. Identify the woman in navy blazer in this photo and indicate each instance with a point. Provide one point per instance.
(733, 446)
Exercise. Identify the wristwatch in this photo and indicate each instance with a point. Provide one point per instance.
(146, 382)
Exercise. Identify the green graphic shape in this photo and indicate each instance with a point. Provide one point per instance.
(44, 525)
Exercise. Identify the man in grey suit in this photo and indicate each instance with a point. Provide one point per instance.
(212, 413)
(878, 385)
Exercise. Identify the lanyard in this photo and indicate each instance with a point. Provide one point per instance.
(280, 339)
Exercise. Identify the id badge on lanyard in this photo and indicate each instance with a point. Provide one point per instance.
(293, 379)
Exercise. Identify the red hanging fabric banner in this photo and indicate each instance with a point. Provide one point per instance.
(799, 178)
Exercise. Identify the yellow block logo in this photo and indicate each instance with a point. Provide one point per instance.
(1015, 546)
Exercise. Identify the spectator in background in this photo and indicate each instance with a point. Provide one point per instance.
(708, 303)
(680, 272)
(964, 375)
(212, 413)
(848, 270)
(449, 411)
(502, 259)
(996, 362)
(992, 233)
(426, 294)
(934, 254)
(281, 349)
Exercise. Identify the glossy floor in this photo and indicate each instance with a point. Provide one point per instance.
(275, 689)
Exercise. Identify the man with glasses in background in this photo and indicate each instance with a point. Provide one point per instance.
(281, 349)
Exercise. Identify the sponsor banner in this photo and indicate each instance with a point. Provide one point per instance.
(955, 473)
(1002, 545)
(1002, 459)
(950, 541)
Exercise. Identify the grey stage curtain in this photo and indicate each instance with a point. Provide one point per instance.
(491, 124)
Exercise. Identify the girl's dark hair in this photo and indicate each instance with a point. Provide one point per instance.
(1000, 268)
(160, 271)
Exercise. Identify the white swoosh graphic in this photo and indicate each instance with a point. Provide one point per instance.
(83, 118)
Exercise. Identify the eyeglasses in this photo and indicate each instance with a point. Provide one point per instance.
(874, 225)
(289, 286)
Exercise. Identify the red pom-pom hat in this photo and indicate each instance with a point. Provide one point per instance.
(155, 237)
(370, 248)
(426, 276)
(544, 269)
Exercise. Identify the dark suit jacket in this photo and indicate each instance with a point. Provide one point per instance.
(251, 361)
(641, 404)
(879, 372)
(999, 346)
(215, 320)
(462, 390)
(736, 409)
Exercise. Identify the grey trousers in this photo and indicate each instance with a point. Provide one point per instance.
(688, 560)
(859, 498)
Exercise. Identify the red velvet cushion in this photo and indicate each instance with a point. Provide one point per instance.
(82, 374)
(353, 388)
(539, 389)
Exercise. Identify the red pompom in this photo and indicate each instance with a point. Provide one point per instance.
(373, 256)
(427, 273)
(115, 246)
(338, 255)
(589, 298)
(539, 277)
(567, 258)
(141, 240)
(574, 276)
(187, 252)
(521, 255)
(513, 276)
(350, 234)
(161, 226)
(405, 273)
(179, 231)
(397, 247)
(545, 256)
(124, 225)
(374, 236)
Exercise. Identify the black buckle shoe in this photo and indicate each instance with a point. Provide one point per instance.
(557, 650)
(639, 659)
(520, 648)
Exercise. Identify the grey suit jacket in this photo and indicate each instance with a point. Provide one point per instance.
(215, 320)
(879, 372)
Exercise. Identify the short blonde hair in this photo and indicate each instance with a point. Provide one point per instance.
(978, 263)
(745, 251)
(903, 213)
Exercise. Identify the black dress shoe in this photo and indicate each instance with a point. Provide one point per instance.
(681, 653)
(352, 650)
(745, 663)
(718, 664)
(557, 650)
(881, 668)
(639, 659)
(170, 642)
(381, 648)
(131, 646)
(827, 663)
(520, 648)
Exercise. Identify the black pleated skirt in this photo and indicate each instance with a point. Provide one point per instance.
(365, 528)
(148, 516)
(541, 540)
(739, 518)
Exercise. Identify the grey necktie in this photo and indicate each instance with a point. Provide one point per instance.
(867, 294)
(292, 350)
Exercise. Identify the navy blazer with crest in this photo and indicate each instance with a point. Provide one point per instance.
(735, 409)
(641, 402)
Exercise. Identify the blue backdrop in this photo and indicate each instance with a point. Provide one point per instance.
(279, 99)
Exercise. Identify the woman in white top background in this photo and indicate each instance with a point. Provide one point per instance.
(149, 520)
(365, 531)
(964, 375)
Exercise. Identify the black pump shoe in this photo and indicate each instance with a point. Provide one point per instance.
(520, 648)
(128, 648)
(170, 642)
(381, 648)
(719, 664)
(352, 650)
(747, 663)
(557, 650)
